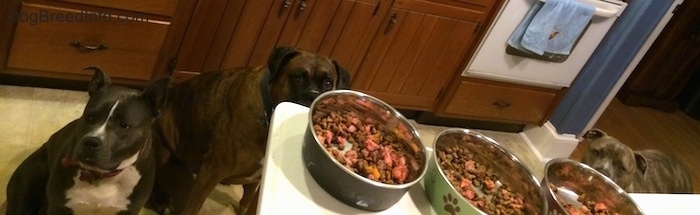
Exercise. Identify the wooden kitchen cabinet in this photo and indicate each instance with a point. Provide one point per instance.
(350, 35)
(247, 31)
(402, 51)
(57, 39)
(313, 25)
(473, 98)
(418, 48)
(409, 53)
(280, 23)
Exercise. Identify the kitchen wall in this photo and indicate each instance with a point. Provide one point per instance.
(611, 63)
(601, 78)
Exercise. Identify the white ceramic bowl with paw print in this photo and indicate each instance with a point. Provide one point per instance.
(469, 173)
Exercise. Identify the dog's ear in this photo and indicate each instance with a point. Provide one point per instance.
(99, 81)
(641, 163)
(594, 134)
(280, 57)
(343, 81)
(155, 95)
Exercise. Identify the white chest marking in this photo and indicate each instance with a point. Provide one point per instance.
(100, 131)
(107, 196)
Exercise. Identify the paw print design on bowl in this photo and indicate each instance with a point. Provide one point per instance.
(450, 204)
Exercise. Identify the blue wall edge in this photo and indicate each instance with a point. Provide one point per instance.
(607, 64)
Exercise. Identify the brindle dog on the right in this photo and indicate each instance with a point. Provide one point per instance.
(645, 171)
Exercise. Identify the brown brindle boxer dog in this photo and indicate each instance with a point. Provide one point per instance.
(643, 171)
(216, 125)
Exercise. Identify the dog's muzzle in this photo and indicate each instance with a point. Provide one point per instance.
(309, 96)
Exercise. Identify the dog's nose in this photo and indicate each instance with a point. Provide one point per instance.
(603, 171)
(92, 143)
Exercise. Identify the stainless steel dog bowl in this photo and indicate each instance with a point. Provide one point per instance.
(445, 197)
(566, 180)
(340, 182)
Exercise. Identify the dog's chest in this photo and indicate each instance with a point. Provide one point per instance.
(109, 196)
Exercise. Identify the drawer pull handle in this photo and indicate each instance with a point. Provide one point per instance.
(302, 6)
(392, 22)
(500, 104)
(285, 5)
(81, 46)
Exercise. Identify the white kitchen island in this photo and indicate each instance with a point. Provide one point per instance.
(288, 188)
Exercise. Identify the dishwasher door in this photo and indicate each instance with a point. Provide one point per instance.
(492, 62)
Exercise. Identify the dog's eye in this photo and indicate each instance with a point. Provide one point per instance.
(595, 153)
(124, 125)
(327, 84)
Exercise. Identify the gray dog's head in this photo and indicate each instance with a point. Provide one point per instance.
(612, 158)
(116, 123)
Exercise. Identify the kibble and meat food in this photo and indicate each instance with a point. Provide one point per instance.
(588, 206)
(365, 145)
(478, 183)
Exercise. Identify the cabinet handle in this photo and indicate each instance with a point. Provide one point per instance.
(500, 104)
(392, 22)
(302, 6)
(285, 5)
(80, 46)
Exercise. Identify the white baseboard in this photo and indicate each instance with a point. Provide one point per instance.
(546, 143)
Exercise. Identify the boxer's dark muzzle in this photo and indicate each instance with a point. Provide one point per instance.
(308, 97)
(305, 97)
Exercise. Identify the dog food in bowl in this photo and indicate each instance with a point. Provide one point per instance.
(362, 151)
(367, 147)
(478, 183)
(574, 188)
(583, 205)
(471, 174)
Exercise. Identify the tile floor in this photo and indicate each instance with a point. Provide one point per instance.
(28, 117)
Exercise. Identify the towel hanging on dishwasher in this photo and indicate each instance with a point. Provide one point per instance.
(552, 27)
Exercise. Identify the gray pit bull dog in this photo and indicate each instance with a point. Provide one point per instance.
(100, 163)
(645, 171)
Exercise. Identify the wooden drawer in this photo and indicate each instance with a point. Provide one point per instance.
(130, 47)
(157, 7)
(476, 98)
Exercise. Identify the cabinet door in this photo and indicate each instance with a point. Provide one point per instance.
(243, 33)
(341, 29)
(413, 55)
(350, 34)
(257, 31)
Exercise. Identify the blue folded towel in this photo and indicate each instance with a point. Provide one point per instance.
(517, 36)
(552, 27)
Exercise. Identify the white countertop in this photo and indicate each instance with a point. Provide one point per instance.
(288, 188)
